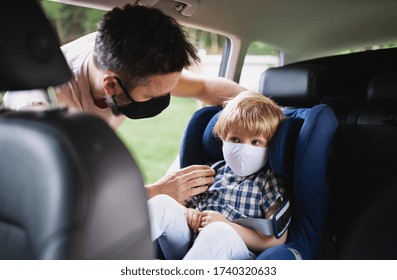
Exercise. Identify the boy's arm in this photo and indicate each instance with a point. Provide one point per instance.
(255, 241)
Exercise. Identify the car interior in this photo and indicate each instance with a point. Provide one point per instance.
(336, 149)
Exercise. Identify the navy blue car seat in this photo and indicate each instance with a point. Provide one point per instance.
(298, 152)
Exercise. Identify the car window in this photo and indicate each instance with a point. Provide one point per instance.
(259, 57)
(71, 22)
(369, 48)
(211, 47)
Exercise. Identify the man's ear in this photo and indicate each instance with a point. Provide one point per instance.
(110, 84)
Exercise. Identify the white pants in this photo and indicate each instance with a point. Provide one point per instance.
(216, 241)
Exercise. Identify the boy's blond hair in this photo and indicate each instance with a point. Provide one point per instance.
(249, 111)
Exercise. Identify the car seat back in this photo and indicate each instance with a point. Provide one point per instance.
(69, 189)
(364, 165)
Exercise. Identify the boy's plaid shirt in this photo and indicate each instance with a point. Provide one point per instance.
(240, 197)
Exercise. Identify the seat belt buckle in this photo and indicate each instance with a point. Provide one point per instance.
(281, 219)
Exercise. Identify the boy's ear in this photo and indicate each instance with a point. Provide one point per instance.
(110, 84)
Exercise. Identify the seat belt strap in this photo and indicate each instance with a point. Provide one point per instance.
(276, 225)
(218, 165)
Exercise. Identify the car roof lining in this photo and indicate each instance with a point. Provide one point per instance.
(300, 29)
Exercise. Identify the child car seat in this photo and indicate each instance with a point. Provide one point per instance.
(299, 152)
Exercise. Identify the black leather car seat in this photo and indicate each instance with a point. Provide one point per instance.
(69, 188)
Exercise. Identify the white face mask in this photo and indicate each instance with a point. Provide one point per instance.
(244, 159)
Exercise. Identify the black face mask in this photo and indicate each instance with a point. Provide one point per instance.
(145, 109)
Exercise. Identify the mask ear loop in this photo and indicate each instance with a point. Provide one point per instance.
(124, 90)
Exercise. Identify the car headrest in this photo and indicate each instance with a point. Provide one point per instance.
(282, 146)
(212, 145)
(281, 149)
(30, 52)
(292, 85)
(382, 92)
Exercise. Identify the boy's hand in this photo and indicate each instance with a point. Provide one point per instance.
(193, 219)
(208, 217)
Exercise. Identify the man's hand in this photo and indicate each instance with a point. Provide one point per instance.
(184, 183)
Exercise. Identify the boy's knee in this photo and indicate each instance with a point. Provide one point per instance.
(219, 229)
(222, 233)
(219, 240)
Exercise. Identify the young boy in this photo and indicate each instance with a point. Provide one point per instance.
(244, 187)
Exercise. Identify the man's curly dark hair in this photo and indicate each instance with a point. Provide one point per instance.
(136, 42)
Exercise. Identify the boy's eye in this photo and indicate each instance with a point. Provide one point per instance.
(256, 142)
(234, 140)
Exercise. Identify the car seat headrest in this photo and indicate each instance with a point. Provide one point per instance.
(292, 85)
(281, 149)
(212, 144)
(382, 92)
(30, 53)
(282, 146)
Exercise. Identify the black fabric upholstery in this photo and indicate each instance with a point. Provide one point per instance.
(293, 85)
(382, 92)
(348, 76)
(364, 167)
(364, 173)
(378, 223)
(70, 188)
(381, 106)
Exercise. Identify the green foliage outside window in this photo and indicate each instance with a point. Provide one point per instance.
(213, 43)
(71, 22)
(260, 48)
(370, 48)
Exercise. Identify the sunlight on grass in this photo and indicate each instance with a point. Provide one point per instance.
(155, 142)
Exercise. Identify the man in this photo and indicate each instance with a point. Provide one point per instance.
(129, 68)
